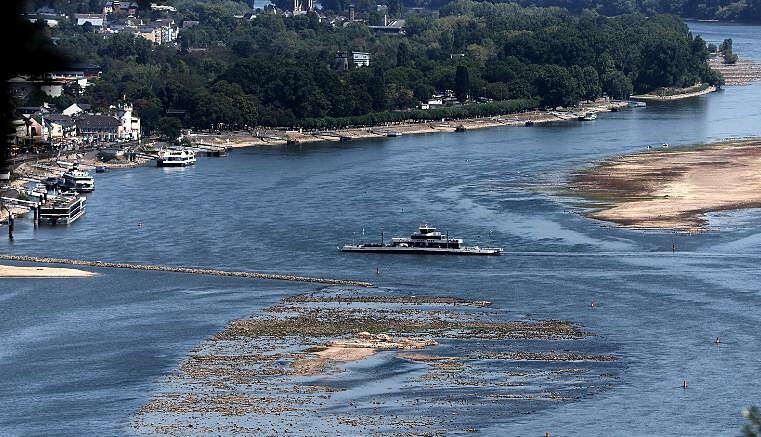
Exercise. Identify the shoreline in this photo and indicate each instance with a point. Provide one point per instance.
(673, 190)
(658, 98)
(273, 137)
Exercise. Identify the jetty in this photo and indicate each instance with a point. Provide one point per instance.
(190, 270)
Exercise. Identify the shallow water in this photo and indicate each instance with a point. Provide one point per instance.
(82, 355)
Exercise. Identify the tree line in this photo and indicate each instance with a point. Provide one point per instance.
(276, 70)
(727, 10)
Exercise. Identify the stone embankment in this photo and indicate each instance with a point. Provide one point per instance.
(195, 271)
(742, 72)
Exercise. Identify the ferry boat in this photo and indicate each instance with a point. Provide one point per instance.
(78, 180)
(176, 158)
(64, 209)
(426, 241)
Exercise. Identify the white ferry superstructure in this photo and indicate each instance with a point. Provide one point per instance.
(78, 180)
(175, 158)
(426, 241)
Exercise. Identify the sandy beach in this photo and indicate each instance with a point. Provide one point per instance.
(42, 272)
(673, 189)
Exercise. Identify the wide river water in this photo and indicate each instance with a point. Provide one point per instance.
(80, 356)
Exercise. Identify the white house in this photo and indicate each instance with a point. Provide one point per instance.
(130, 129)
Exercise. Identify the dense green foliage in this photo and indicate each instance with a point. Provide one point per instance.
(281, 71)
(741, 10)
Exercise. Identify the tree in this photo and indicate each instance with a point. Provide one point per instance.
(617, 85)
(169, 128)
(402, 54)
(753, 427)
(726, 46)
(462, 83)
(556, 87)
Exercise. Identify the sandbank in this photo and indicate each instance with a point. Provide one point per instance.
(42, 272)
(684, 94)
(673, 189)
(742, 72)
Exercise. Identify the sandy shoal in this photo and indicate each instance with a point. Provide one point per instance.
(686, 95)
(674, 189)
(42, 272)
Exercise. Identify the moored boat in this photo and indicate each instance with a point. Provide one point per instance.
(64, 209)
(78, 180)
(426, 241)
(176, 158)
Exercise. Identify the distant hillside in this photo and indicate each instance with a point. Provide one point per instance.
(735, 10)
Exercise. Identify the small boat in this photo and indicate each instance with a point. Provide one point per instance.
(175, 158)
(100, 169)
(588, 116)
(393, 133)
(426, 241)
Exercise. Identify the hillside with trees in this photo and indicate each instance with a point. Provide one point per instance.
(727, 10)
(278, 70)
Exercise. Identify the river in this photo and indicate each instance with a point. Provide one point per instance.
(80, 356)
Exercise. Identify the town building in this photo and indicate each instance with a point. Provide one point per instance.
(98, 127)
(355, 59)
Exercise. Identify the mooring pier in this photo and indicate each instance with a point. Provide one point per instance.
(190, 270)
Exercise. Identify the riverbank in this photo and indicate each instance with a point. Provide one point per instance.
(673, 189)
(262, 137)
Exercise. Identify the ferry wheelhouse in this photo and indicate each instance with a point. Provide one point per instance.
(176, 158)
(426, 241)
(62, 209)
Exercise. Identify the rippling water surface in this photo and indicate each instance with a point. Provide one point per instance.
(80, 356)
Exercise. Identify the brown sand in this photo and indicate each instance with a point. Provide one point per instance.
(42, 272)
(673, 189)
(363, 346)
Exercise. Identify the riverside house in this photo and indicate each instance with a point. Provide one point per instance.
(98, 127)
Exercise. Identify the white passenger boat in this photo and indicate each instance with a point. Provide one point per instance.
(426, 241)
(176, 158)
(78, 180)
